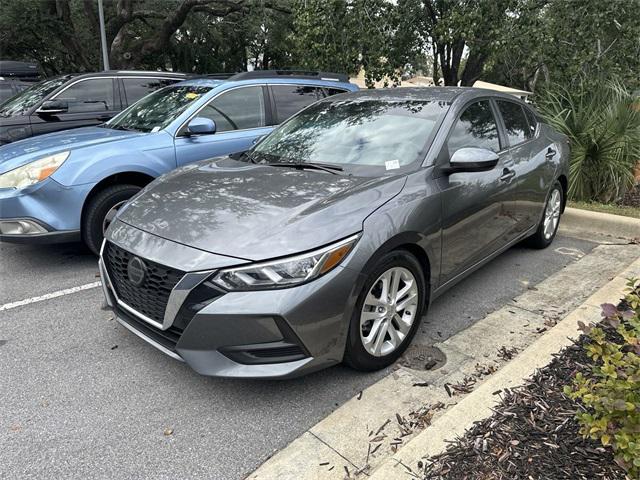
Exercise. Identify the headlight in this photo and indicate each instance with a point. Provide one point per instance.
(33, 172)
(286, 272)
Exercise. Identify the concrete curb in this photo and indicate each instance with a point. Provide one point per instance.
(477, 405)
(347, 443)
(585, 224)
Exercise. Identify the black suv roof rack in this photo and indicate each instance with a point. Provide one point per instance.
(304, 74)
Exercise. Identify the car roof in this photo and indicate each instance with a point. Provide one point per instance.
(297, 77)
(447, 94)
(133, 73)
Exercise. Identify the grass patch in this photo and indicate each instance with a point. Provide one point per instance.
(623, 210)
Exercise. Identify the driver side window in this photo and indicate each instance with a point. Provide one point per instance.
(476, 127)
(95, 95)
(238, 109)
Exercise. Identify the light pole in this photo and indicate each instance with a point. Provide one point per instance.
(103, 37)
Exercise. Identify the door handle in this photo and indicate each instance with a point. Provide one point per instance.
(507, 174)
(550, 153)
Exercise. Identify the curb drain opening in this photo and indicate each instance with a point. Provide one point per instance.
(423, 357)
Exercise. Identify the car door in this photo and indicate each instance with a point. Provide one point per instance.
(477, 207)
(90, 101)
(529, 152)
(240, 116)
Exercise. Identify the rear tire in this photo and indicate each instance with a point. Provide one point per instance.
(105, 202)
(550, 221)
(383, 322)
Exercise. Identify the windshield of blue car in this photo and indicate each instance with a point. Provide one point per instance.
(361, 135)
(32, 96)
(158, 109)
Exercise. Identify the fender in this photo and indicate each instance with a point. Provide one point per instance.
(150, 156)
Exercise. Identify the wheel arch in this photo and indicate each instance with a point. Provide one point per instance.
(409, 242)
(564, 183)
(130, 178)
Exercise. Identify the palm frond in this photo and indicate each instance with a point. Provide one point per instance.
(604, 132)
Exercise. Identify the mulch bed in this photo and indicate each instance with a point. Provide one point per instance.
(532, 435)
(632, 197)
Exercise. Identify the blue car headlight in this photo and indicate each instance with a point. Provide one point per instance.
(286, 272)
(33, 172)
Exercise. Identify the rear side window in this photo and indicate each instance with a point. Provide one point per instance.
(333, 91)
(136, 88)
(95, 95)
(515, 122)
(476, 127)
(291, 99)
(238, 109)
(532, 120)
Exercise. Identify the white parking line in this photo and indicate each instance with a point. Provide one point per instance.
(49, 296)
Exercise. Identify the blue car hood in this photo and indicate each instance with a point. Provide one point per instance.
(14, 155)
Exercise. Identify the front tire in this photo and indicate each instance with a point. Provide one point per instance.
(550, 221)
(388, 312)
(101, 210)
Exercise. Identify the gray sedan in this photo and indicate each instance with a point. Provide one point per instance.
(328, 240)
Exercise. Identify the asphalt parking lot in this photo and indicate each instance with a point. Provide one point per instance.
(84, 398)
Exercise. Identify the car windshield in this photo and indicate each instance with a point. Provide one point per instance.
(32, 96)
(158, 109)
(379, 136)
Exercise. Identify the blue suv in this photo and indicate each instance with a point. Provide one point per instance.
(68, 185)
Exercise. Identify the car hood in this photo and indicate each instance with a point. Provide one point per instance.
(256, 212)
(16, 154)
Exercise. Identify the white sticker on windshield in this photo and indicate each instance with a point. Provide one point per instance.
(392, 164)
(155, 129)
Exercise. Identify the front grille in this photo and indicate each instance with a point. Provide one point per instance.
(167, 338)
(150, 298)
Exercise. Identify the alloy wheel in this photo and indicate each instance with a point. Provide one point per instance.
(389, 311)
(552, 214)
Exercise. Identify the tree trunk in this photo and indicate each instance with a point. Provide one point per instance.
(473, 68)
(436, 74)
(68, 36)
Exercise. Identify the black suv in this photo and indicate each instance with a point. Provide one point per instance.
(71, 101)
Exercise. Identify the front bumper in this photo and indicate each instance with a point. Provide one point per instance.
(42, 234)
(55, 208)
(259, 334)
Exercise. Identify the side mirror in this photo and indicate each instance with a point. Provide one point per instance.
(201, 126)
(472, 160)
(51, 107)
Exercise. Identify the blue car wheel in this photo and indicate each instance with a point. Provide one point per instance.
(99, 212)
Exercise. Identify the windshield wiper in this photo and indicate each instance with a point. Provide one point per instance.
(334, 169)
(121, 127)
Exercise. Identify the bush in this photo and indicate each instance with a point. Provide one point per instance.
(604, 133)
(611, 393)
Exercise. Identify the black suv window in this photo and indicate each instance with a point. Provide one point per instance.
(515, 123)
(95, 95)
(291, 99)
(476, 128)
(136, 88)
(238, 109)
